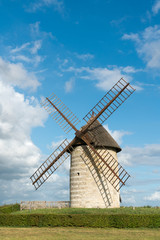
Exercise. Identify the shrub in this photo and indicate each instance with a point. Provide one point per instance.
(81, 220)
(6, 209)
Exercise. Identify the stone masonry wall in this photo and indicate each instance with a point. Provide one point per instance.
(88, 187)
(43, 204)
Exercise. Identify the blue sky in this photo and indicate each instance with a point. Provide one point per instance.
(78, 50)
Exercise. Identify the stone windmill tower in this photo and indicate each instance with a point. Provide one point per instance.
(95, 175)
(88, 187)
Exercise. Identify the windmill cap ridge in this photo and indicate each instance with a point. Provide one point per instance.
(102, 136)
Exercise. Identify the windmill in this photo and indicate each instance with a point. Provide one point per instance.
(95, 176)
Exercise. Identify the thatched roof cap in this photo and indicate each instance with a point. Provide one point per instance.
(103, 138)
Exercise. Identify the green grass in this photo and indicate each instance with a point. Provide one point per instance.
(122, 210)
(78, 234)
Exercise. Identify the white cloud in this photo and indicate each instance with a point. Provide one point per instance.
(32, 47)
(56, 144)
(147, 45)
(69, 85)
(156, 7)
(132, 36)
(28, 53)
(105, 77)
(128, 200)
(85, 57)
(35, 60)
(18, 155)
(35, 28)
(131, 191)
(21, 58)
(36, 46)
(21, 190)
(36, 33)
(154, 197)
(147, 155)
(58, 5)
(22, 47)
(119, 21)
(17, 75)
(129, 69)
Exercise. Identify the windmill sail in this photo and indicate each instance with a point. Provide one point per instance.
(60, 113)
(51, 164)
(111, 101)
(107, 164)
(111, 169)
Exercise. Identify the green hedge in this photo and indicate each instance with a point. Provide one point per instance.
(81, 220)
(6, 209)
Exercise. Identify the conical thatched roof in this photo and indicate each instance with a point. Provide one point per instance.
(101, 137)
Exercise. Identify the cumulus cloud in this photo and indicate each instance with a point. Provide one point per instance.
(153, 197)
(147, 155)
(21, 190)
(105, 77)
(147, 45)
(17, 75)
(17, 117)
(156, 7)
(19, 156)
(128, 200)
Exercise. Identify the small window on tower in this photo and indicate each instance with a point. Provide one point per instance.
(78, 173)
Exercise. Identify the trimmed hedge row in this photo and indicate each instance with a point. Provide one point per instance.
(9, 208)
(81, 220)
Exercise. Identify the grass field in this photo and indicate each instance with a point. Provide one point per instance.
(78, 234)
(122, 210)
